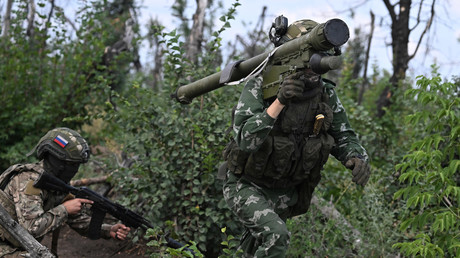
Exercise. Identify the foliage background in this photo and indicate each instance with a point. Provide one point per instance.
(162, 156)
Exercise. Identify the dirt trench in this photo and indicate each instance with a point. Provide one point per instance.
(71, 244)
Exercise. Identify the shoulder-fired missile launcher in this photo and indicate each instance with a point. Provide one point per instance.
(315, 46)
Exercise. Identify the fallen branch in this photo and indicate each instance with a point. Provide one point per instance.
(89, 181)
(328, 210)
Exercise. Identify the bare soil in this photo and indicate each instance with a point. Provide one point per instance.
(71, 244)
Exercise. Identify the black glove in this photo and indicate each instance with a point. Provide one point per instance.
(361, 170)
(291, 89)
(312, 80)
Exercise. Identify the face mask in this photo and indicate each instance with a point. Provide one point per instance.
(64, 170)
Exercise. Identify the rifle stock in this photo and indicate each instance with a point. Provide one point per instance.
(22, 236)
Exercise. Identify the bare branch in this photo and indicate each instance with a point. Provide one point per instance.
(391, 9)
(350, 8)
(419, 13)
(366, 62)
(61, 10)
(242, 41)
(329, 211)
(427, 28)
(50, 14)
(260, 23)
(89, 181)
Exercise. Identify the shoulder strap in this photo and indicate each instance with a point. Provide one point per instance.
(6, 176)
(328, 83)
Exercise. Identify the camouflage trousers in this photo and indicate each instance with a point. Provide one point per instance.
(263, 213)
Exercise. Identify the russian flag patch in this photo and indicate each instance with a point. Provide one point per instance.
(61, 141)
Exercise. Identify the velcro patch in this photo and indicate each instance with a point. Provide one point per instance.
(61, 141)
(68, 197)
(31, 189)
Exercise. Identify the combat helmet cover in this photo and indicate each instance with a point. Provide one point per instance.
(296, 29)
(65, 144)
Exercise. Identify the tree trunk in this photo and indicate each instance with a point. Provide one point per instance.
(31, 19)
(196, 35)
(400, 38)
(7, 19)
(400, 32)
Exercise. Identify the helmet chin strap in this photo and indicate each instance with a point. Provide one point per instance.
(62, 169)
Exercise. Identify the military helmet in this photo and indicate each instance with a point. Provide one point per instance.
(279, 35)
(298, 28)
(65, 144)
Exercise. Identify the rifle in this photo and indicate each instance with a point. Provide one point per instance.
(22, 236)
(100, 207)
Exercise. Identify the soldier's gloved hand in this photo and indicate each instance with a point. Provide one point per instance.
(360, 170)
(290, 89)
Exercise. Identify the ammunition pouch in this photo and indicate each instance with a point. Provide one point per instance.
(235, 157)
(276, 165)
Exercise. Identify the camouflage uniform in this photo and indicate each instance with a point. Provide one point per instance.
(263, 210)
(40, 211)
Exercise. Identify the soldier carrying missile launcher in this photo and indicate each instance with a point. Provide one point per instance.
(286, 123)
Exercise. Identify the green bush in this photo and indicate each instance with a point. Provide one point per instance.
(177, 149)
(371, 210)
(48, 77)
(431, 195)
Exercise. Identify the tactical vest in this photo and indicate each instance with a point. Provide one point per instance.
(291, 153)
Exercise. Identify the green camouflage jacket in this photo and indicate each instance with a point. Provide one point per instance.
(252, 124)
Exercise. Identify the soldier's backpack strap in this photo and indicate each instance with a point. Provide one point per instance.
(6, 176)
(10, 172)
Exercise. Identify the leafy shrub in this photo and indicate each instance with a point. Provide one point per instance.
(48, 76)
(430, 172)
(370, 212)
(177, 150)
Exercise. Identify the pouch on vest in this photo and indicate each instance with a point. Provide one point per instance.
(311, 151)
(305, 193)
(295, 117)
(235, 157)
(258, 160)
(283, 149)
(328, 142)
(316, 154)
